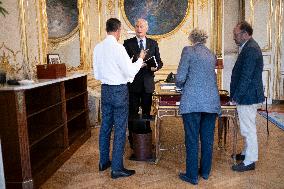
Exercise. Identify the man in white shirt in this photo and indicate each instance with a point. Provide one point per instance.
(113, 67)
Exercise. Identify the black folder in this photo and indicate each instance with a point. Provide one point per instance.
(151, 62)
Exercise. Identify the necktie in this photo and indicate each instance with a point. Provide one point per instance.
(141, 44)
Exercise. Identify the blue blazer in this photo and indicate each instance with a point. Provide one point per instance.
(246, 86)
(197, 78)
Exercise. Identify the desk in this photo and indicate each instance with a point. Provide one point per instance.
(160, 111)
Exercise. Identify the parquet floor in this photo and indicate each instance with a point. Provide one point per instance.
(81, 170)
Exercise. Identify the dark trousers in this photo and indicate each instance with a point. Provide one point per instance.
(140, 99)
(199, 124)
(135, 101)
(114, 115)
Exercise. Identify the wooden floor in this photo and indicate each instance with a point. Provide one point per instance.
(274, 108)
(81, 171)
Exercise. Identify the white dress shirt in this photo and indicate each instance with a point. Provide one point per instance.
(112, 64)
(144, 42)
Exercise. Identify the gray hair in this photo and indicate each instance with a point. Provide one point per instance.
(142, 20)
(198, 36)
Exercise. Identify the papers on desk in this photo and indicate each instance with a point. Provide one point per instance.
(171, 87)
(168, 86)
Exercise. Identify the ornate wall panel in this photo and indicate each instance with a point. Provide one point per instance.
(260, 14)
(20, 47)
(266, 75)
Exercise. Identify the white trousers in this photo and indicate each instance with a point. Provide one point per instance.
(247, 116)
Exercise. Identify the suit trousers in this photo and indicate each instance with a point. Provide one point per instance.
(114, 115)
(199, 124)
(140, 99)
(135, 101)
(247, 116)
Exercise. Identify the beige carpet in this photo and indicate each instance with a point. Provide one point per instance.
(81, 170)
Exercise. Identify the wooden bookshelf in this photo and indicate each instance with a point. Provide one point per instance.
(41, 126)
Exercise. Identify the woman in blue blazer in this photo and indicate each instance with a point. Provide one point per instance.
(199, 105)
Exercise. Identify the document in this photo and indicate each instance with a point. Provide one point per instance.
(168, 86)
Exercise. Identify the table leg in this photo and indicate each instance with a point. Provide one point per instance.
(220, 132)
(157, 138)
(235, 133)
(226, 125)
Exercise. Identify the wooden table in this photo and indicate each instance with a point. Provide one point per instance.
(172, 110)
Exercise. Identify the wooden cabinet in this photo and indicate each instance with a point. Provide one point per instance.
(41, 126)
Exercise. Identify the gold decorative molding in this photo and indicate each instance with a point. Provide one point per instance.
(82, 33)
(121, 5)
(203, 4)
(4, 62)
(14, 54)
(55, 42)
(36, 6)
(216, 33)
(100, 18)
(110, 6)
(85, 42)
(23, 31)
(43, 29)
(12, 67)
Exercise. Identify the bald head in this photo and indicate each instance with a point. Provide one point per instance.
(141, 28)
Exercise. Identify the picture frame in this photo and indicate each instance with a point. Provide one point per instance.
(53, 59)
(153, 11)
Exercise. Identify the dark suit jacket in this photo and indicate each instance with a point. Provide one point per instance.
(246, 81)
(144, 79)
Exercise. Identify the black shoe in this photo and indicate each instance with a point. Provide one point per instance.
(241, 167)
(122, 173)
(239, 157)
(185, 178)
(103, 167)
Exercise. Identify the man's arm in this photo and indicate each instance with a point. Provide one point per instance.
(183, 67)
(128, 68)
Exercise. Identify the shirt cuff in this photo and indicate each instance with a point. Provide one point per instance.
(139, 60)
